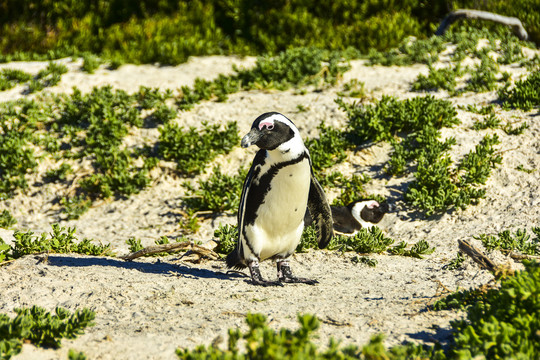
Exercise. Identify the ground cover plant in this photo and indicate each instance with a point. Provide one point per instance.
(501, 321)
(60, 241)
(412, 127)
(12, 77)
(490, 48)
(524, 95)
(518, 242)
(41, 328)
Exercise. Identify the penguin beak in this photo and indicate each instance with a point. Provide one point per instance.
(251, 138)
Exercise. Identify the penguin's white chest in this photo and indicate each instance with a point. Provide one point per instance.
(279, 221)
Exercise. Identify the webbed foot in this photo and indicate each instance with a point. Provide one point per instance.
(285, 274)
(256, 277)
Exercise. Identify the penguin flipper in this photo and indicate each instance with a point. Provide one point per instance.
(320, 212)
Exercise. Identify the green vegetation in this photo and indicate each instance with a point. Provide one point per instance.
(219, 193)
(12, 77)
(365, 241)
(439, 185)
(41, 328)
(292, 68)
(389, 117)
(501, 48)
(194, 148)
(519, 242)
(502, 322)
(6, 219)
(47, 77)
(60, 241)
(90, 63)
(455, 263)
(227, 236)
(261, 342)
(524, 95)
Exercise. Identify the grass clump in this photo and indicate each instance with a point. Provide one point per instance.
(365, 241)
(328, 149)
(440, 184)
(41, 328)
(489, 122)
(442, 78)
(194, 148)
(18, 124)
(520, 241)
(90, 63)
(59, 174)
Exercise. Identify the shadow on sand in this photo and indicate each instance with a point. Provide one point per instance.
(157, 267)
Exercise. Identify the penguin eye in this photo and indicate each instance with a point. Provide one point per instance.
(270, 126)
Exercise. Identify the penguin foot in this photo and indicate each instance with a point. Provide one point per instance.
(265, 283)
(256, 277)
(298, 280)
(285, 275)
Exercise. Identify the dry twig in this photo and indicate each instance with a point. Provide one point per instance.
(482, 260)
(170, 248)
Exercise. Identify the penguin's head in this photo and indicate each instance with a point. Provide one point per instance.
(271, 130)
(368, 212)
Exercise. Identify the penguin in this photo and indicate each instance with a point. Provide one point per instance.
(279, 186)
(363, 213)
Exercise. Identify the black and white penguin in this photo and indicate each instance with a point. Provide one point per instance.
(279, 186)
(359, 214)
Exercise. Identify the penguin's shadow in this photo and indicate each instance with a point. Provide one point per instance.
(160, 268)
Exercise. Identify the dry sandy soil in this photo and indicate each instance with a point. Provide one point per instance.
(147, 308)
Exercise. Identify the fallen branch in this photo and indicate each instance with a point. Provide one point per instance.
(513, 22)
(171, 248)
(520, 257)
(477, 256)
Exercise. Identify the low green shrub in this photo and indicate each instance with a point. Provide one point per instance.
(60, 240)
(442, 78)
(520, 241)
(439, 186)
(194, 148)
(328, 149)
(6, 219)
(12, 77)
(502, 322)
(390, 116)
(41, 328)
(219, 193)
(262, 342)
(524, 95)
(227, 236)
(90, 63)
(47, 77)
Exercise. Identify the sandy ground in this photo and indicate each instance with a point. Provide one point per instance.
(147, 308)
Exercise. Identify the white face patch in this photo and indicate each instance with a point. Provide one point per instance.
(357, 209)
(269, 123)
